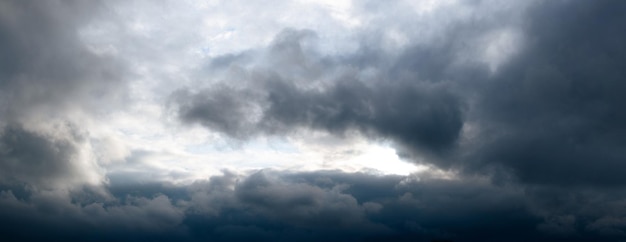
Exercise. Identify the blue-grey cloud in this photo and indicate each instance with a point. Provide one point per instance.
(301, 89)
(324, 205)
(551, 114)
(534, 146)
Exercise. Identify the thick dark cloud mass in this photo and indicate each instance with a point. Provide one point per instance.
(550, 115)
(305, 90)
(323, 205)
(555, 114)
(412, 98)
(531, 148)
(546, 126)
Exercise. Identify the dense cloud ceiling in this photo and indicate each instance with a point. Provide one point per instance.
(195, 121)
(553, 114)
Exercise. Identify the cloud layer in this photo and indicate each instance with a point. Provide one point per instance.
(323, 205)
(512, 110)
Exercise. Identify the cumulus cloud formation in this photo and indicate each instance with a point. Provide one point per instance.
(323, 205)
(553, 105)
(212, 121)
(309, 91)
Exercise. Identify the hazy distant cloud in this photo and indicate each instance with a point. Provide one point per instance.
(48, 69)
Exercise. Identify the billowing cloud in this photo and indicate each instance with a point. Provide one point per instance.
(301, 89)
(211, 121)
(550, 114)
(323, 205)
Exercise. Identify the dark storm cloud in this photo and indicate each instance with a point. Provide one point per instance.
(555, 114)
(551, 114)
(54, 217)
(323, 205)
(301, 89)
(542, 164)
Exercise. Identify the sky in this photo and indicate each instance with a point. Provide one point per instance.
(313, 120)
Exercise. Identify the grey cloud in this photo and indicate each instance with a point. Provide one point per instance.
(322, 205)
(47, 76)
(48, 69)
(307, 206)
(549, 115)
(553, 115)
(29, 157)
(55, 217)
(545, 130)
(277, 208)
(300, 89)
(543, 160)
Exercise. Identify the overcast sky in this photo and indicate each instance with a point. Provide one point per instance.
(313, 120)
